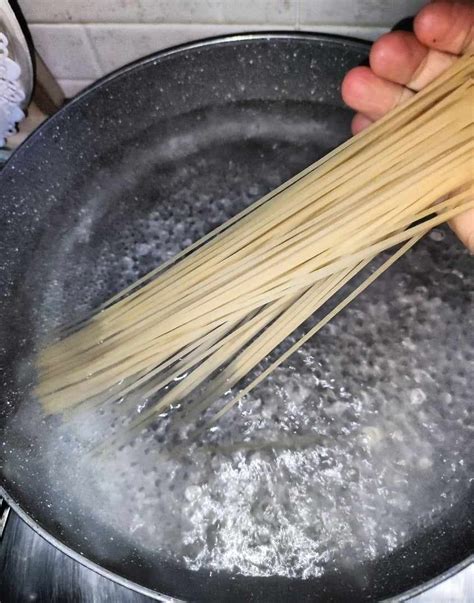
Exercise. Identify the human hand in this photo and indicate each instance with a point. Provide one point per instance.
(401, 63)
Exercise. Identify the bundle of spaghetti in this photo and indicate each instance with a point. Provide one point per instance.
(204, 320)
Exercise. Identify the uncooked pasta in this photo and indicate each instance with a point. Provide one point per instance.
(202, 322)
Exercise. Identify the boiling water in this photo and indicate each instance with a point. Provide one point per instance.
(361, 440)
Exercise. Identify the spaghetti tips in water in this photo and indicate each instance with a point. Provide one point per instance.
(203, 321)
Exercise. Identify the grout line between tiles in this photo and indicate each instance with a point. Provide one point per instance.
(95, 55)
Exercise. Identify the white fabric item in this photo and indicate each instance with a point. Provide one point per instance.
(16, 71)
(11, 93)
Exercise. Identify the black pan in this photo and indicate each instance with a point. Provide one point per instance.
(128, 173)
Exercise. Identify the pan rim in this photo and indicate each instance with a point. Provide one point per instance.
(171, 51)
(95, 567)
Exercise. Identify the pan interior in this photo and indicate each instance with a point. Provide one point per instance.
(348, 453)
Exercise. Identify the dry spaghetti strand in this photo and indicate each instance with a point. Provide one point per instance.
(208, 317)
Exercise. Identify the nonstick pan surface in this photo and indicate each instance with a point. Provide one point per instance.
(123, 177)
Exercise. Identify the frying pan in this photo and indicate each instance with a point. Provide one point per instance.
(129, 172)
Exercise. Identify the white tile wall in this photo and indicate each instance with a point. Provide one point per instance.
(353, 31)
(114, 11)
(73, 87)
(360, 12)
(81, 40)
(261, 11)
(66, 50)
(160, 11)
(116, 45)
